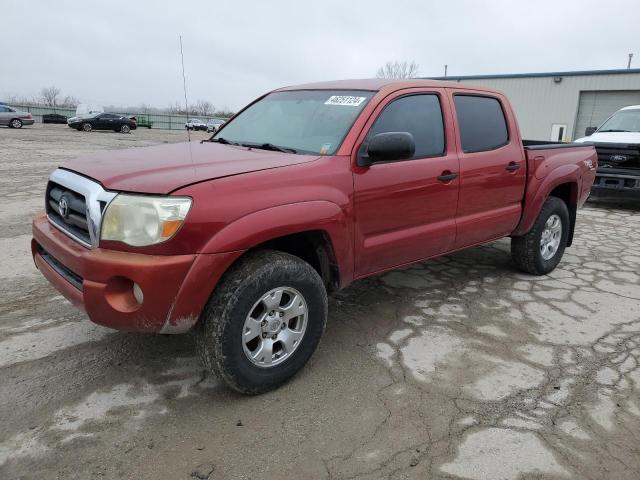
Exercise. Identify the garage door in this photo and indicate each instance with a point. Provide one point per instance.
(595, 107)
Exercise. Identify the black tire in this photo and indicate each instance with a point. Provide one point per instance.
(86, 127)
(525, 250)
(15, 123)
(125, 129)
(219, 330)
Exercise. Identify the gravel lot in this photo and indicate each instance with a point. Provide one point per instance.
(456, 368)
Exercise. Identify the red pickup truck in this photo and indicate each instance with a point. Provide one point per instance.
(305, 190)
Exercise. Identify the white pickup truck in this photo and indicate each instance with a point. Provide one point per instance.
(617, 142)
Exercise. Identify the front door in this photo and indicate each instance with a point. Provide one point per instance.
(405, 210)
(5, 115)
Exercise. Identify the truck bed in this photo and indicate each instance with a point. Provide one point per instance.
(546, 145)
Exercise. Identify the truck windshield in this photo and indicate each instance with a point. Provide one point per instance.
(622, 121)
(297, 121)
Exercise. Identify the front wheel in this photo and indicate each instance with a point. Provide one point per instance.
(540, 250)
(15, 123)
(125, 129)
(263, 321)
(87, 127)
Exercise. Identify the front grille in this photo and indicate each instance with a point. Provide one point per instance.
(70, 276)
(622, 157)
(75, 205)
(68, 210)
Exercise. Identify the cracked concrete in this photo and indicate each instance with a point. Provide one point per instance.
(459, 367)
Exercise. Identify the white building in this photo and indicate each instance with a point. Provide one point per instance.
(561, 105)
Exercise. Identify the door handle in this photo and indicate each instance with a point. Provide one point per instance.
(447, 176)
(513, 166)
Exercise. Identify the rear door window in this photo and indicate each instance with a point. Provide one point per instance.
(481, 123)
(421, 116)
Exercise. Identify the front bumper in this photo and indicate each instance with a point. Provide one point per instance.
(100, 282)
(27, 121)
(616, 184)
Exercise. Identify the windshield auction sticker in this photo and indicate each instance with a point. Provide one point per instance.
(345, 100)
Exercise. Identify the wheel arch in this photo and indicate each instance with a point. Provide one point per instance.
(315, 231)
(565, 188)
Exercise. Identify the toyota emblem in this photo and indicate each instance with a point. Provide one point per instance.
(63, 207)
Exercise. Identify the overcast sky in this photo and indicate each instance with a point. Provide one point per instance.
(127, 52)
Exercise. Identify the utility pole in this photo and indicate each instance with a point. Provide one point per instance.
(629, 63)
(445, 69)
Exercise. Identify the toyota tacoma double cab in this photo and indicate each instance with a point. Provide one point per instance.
(308, 188)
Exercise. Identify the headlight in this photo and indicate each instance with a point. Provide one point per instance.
(140, 220)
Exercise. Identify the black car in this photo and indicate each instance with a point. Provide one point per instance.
(103, 121)
(53, 118)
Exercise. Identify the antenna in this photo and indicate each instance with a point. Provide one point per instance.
(445, 70)
(629, 63)
(184, 86)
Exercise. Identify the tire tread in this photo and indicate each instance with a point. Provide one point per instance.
(525, 248)
(210, 327)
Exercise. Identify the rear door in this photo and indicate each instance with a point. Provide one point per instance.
(492, 167)
(404, 212)
(107, 121)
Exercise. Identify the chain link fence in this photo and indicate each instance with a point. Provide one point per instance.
(155, 120)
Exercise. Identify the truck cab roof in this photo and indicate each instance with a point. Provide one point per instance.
(383, 84)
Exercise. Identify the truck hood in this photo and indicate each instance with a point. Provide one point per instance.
(611, 137)
(164, 168)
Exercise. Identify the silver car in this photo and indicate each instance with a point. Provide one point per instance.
(214, 124)
(14, 118)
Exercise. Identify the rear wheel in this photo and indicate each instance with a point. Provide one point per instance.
(86, 127)
(125, 129)
(541, 249)
(263, 322)
(15, 123)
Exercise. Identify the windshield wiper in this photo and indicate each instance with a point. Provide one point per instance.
(223, 141)
(612, 130)
(270, 146)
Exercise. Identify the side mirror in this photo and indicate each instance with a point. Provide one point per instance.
(389, 146)
(589, 131)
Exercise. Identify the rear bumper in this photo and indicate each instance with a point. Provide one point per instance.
(100, 282)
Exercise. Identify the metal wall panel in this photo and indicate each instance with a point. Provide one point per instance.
(540, 102)
(595, 107)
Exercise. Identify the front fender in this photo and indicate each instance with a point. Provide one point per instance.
(274, 222)
(538, 191)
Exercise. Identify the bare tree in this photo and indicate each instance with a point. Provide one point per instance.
(69, 102)
(204, 108)
(398, 70)
(225, 112)
(50, 95)
(175, 108)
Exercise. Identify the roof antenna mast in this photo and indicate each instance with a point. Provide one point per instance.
(629, 62)
(184, 86)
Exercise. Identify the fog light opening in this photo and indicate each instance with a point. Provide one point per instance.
(137, 293)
